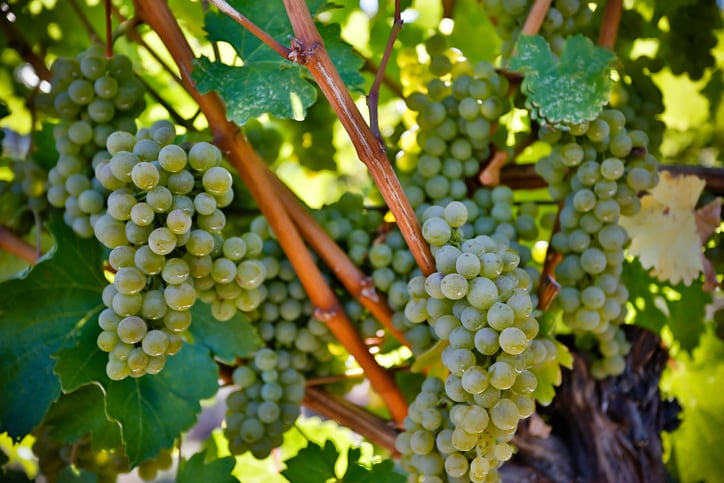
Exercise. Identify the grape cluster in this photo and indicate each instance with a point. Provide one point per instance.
(597, 171)
(148, 469)
(455, 123)
(479, 306)
(29, 181)
(296, 345)
(640, 99)
(163, 225)
(492, 214)
(693, 24)
(92, 96)
(54, 456)
(564, 18)
(266, 404)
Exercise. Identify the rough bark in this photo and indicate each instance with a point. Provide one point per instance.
(600, 431)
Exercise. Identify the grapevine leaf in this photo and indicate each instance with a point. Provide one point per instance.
(267, 83)
(432, 359)
(697, 442)
(227, 340)
(312, 464)
(637, 281)
(347, 63)
(256, 88)
(680, 308)
(196, 469)
(154, 410)
(568, 90)
(39, 314)
(382, 472)
(687, 309)
(472, 22)
(80, 412)
(83, 363)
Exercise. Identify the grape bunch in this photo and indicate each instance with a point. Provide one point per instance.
(492, 214)
(266, 404)
(296, 346)
(479, 306)
(455, 123)
(93, 96)
(563, 19)
(55, 456)
(687, 46)
(163, 225)
(640, 99)
(596, 170)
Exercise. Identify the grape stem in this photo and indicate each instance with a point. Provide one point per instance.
(251, 27)
(535, 18)
(611, 21)
(252, 169)
(490, 175)
(12, 243)
(308, 49)
(388, 81)
(373, 98)
(375, 429)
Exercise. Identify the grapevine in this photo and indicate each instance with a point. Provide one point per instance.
(215, 264)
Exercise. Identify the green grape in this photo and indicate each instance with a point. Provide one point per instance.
(162, 241)
(129, 280)
(132, 329)
(179, 297)
(155, 342)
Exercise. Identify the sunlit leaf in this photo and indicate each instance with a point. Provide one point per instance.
(568, 90)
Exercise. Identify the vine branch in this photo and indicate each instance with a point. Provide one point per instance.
(373, 98)
(375, 429)
(611, 21)
(241, 154)
(358, 285)
(310, 51)
(535, 18)
(12, 243)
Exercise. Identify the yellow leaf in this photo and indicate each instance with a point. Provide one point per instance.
(665, 234)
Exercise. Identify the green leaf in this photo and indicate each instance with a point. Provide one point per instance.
(82, 363)
(347, 63)
(312, 464)
(687, 313)
(382, 472)
(680, 308)
(276, 88)
(697, 443)
(154, 410)
(39, 314)
(432, 359)
(227, 340)
(80, 412)
(566, 91)
(472, 22)
(196, 469)
(267, 83)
